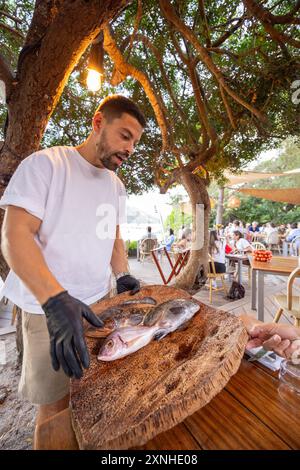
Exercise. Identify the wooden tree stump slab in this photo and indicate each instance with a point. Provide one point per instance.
(123, 404)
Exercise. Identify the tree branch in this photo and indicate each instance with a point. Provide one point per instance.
(11, 17)
(124, 69)
(266, 19)
(15, 32)
(170, 15)
(6, 75)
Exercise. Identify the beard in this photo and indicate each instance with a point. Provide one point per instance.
(106, 155)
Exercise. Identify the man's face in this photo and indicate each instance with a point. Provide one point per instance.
(116, 140)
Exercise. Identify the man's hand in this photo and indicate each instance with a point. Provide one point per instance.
(126, 283)
(284, 340)
(67, 344)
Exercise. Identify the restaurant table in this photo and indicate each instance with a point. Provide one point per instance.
(239, 259)
(254, 411)
(278, 265)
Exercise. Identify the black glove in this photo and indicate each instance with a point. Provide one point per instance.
(126, 283)
(67, 344)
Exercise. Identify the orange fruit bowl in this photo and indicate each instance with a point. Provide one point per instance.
(262, 255)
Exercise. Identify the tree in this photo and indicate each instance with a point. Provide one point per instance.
(59, 33)
(215, 75)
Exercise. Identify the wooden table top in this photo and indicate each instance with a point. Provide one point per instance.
(252, 412)
(278, 264)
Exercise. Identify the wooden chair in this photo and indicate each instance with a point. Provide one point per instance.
(147, 245)
(258, 246)
(289, 303)
(212, 275)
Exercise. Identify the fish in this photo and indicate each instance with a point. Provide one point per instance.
(159, 322)
(144, 300)
(117, 317)
(171, 314)
(124, 341)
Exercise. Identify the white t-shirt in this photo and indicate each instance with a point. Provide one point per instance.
(242, 244)
(219, 257)
(80, 206)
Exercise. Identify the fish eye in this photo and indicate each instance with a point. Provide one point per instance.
(109, 344)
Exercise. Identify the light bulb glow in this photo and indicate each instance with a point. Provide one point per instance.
(93, 80)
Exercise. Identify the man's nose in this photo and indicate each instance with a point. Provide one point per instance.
(129, 148)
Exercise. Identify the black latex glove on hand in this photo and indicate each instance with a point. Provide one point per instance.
(126, 283)
(67, 344)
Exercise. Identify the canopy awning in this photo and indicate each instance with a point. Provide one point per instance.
(250, 176)
(288, 195)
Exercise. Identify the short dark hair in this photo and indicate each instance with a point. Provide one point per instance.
(238, 233)
(294, 225)
(149, 229)
(171, 231)
(114, 106)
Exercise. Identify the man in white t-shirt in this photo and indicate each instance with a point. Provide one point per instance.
(60, 237)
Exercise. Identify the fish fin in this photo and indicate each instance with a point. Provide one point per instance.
(160, 334)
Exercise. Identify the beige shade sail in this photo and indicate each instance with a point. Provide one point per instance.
(288, 195)
(250, 176)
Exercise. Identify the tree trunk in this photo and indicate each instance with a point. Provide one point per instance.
(196, 189)
(220, 206)
(51, 51)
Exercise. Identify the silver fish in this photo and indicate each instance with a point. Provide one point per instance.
(171, 314)
(162, 320)
(125, 341)
(143, 300)
(117, 317)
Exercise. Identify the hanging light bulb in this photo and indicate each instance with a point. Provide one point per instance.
(93, 80)
(95, 65)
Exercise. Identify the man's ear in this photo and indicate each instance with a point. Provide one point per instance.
(97, 121)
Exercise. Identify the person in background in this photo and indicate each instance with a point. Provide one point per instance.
(295, 232)
(240, 243)
(148, 234)
(284, 340)
(181, 232)
(170, 240)
(216, 249)
(254, 227)
(282, 230)
(235, 226)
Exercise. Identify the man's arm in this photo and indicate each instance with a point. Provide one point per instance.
(119, 264)
(63, 312)
(119, 261)
(24, 256)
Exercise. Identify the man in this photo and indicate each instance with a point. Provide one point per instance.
(61, 239)
(254, 228)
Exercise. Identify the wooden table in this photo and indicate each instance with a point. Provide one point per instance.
(239, 259)
(251, 412)
(279, 265)
(175, 268)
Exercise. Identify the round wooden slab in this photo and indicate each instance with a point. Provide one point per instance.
(124, 403)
